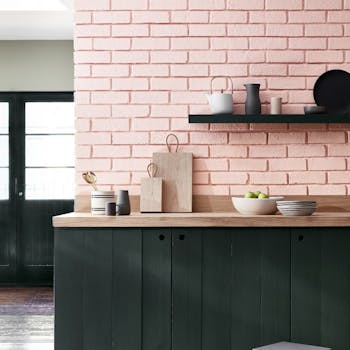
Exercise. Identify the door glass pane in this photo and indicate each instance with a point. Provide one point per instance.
(46, 183)
(49, 118)
(4, 183)
(4, 151)
(50, 151)
(4, 118)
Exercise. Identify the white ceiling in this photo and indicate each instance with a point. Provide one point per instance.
(36, 19)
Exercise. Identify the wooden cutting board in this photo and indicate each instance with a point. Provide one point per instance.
(151, 191)
(176, 171)
(151, 195)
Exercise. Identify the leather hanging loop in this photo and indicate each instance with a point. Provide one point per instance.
(152, 170)
(168, 145)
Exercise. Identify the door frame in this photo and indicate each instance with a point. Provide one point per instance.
(16, 134)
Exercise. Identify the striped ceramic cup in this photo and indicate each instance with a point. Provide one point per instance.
(99, 200)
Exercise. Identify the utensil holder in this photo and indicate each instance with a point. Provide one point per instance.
(99, 200)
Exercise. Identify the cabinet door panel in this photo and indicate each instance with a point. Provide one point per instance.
(216, 289)
(260, 287)
(246, 289)
(186, 289)
(127, 289)
(156, 289)
(97, 292)
(69, 269)
(321, 287)
(275, 285)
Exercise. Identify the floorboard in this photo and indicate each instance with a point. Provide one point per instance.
(26, 318)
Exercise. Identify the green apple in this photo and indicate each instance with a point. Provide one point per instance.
(263, 196)
(257, 194)
(250, 195)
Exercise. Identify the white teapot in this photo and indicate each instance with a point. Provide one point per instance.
(219, 102)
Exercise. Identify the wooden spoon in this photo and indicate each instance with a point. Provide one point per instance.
(90, 178)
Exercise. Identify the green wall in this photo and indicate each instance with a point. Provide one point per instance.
(27, 65)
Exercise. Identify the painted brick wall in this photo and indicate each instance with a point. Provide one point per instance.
(142, 65)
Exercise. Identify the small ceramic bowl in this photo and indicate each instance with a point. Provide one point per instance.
(256, 206)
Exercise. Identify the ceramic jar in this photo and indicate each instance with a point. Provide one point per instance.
(252, 104)
(123, 203)
(276, 105)
(99, 200)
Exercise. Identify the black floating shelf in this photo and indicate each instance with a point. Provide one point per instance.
(268, 118)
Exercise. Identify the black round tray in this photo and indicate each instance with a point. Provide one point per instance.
(332, 91)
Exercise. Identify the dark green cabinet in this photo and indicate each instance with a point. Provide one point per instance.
(171, 289)
(246, 287)
(156, 289)
(260, 295)
(126, 304)
(98, 289)
(186, 289)
(201, 289)
(320, 300)
(216, 289)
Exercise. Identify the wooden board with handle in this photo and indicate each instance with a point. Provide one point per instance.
(151, 191)
(151, 195)
(175, 168)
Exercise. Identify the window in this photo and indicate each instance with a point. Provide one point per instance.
(49, 150)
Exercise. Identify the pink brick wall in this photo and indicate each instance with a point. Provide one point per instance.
(142, 66)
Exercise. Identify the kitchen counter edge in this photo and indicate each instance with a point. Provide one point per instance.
(210, 219)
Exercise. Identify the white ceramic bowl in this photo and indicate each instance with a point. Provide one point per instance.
(256, 206)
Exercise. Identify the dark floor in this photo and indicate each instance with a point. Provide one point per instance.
(26, 318)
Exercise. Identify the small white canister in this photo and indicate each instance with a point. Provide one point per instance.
(276, 105)
(99, 200)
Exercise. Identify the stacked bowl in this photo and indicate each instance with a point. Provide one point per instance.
(296, 208)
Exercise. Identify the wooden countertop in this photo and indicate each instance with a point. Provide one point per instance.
(202, 219)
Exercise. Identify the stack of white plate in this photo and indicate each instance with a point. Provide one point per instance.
(296, 208)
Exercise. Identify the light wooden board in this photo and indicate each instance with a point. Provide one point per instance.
(233, 219)
(176, 171)
(151, 195)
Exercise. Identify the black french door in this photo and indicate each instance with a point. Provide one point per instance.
(36, 181)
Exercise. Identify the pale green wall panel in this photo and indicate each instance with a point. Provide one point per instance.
(27, 65)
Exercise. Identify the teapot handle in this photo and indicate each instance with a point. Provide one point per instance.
(221, 76)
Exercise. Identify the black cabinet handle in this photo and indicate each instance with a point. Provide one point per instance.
(181, 237)
(300, 238)
(161, 237)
